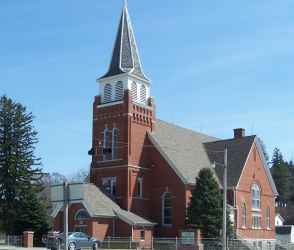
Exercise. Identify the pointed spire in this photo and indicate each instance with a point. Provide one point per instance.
(125, 55)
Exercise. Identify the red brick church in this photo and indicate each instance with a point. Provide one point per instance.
(143, 169)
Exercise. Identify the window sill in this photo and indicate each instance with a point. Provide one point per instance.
(256, 210)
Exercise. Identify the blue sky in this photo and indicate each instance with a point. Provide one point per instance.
(214, 65)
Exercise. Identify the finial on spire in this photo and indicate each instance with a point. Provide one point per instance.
(125, 55)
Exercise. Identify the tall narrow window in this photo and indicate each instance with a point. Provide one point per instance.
(139, 187)
(106, 145)
(256, 221)
(134, 91)
(255, 192)
(143, 94)
(109, 185)
(114, 143)
(268, 217)
(244, 215)
(107, 93)
(119, 91)
(167, 209)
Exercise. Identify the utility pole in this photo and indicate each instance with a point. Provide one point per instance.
(65, 210)
(225, 199)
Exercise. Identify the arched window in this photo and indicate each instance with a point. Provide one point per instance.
(268, 217)
(134, 91)
(143, 94)
(114, 143)
(119, 90)
(106, 144)
(167, 208)
(244, 215)
(107, 93)
(255, 192)
(81, 215)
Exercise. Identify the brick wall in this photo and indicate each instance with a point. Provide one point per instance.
(254, 172)
(165, 179)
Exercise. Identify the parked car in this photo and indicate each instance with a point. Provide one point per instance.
(76, 240)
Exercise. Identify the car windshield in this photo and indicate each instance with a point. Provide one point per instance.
(69, 234)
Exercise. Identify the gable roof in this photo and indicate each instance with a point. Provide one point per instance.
(182, 148)
(238, 150)
(98, 204)
(125, 56)
(187, 152)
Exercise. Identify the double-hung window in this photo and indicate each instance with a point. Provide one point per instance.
(255, 192)
(256, 221)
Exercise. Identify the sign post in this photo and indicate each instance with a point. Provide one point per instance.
(63, 195)
(66, 200)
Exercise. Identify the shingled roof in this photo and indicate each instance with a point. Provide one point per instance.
(187, 152)
(100, 205)
(238, 150)
(125, 55)
(182, 148)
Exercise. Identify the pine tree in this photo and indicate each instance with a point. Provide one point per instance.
(205, 210)
(32, 215)
(280, 173)
(19, 167)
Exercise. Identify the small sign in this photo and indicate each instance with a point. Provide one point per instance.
(188, 237)
(76, 192)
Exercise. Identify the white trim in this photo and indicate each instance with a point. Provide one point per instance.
(131, 29)
(271, 183)
(111, 78)
(247, 159)
(267, 171)
(109, 104)
(170, 163)
(257, 189)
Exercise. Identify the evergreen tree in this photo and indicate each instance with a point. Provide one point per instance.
(263, 147)
(205, 210)
(32, 215)
(280, 173)
(19, 167)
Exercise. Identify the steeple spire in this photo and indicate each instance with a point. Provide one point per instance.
(125, 55)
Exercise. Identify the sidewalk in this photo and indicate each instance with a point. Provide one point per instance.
(20, 248)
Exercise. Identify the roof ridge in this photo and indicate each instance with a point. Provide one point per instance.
(232, 139)
(187, 129)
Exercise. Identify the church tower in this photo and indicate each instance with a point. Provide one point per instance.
(123, 114)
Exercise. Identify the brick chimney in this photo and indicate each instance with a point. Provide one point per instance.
(239, 133)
